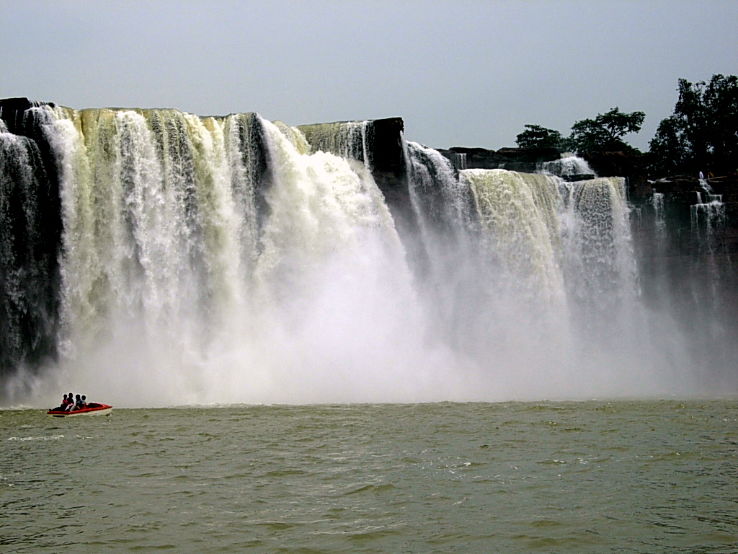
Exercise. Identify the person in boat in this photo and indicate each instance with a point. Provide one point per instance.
(77, 403)
(70, 403)
(83, 404)
(63, 406)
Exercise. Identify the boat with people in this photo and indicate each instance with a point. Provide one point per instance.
(93, 408)
(78, 406)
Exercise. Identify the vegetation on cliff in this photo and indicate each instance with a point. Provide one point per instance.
(701, 134)
(535, 137)
(604, 133)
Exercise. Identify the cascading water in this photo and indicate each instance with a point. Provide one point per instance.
(707, 216)
(233, 259)
(447, 233)
(154, 245)
(348, 139)
(567, 166)
(517, 211)
(562, 275)
(19, 158)
(440, 201)
(708, 310)
(657, 204)
(29, 229)
(190, 273)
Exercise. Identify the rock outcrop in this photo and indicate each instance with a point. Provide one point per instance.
(513, 159)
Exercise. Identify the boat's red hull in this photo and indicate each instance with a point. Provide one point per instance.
(100, 409)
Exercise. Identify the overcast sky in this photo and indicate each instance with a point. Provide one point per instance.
(468, 73)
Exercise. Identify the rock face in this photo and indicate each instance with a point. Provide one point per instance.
(688, 205)
(621, 164)
(387, 154)
(513, 159)
(12, 111)
(686, 235)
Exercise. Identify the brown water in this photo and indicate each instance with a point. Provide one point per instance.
(659, 476)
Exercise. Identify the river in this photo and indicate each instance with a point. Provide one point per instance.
(593, 476)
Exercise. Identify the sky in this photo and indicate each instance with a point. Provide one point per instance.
(460, 73)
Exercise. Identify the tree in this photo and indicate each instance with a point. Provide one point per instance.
(535, 137)
(702, 133)
(605, 132)
(668, 149)
(721, 113)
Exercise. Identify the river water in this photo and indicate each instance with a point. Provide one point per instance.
(626, 476)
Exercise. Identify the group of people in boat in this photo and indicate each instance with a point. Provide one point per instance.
(71, 403)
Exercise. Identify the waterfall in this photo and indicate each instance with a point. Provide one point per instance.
(28, 233)
(212, 259)
(439, 199)
(321, 205)
(709, 311)
(518, 214)
(19, 159)
(155, 246)
(567, 166)
(657, 203)
(603, 273)
(348, 139)
(443, 207)
(562, 245)
(155, 257)
(707, 217)
(561, 268)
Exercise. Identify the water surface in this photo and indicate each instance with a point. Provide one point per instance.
(644, 476)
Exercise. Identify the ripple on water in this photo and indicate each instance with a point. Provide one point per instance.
(370, 488)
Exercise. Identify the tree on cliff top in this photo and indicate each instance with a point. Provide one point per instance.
(536, 137)
(702, 133)
(605, 132)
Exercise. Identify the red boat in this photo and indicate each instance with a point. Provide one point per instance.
(93, 408)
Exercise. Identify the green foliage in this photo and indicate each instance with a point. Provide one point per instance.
(702, 133)
(668, 148)
(604, 133)
(535, 137)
